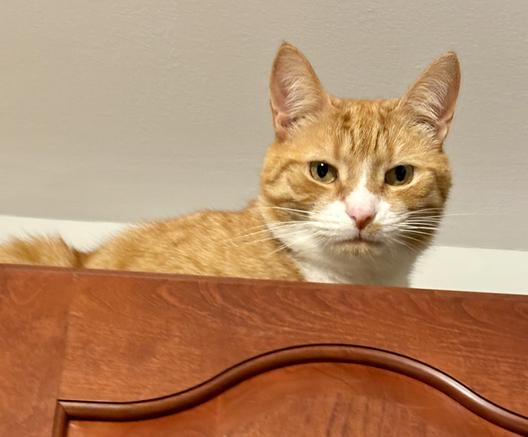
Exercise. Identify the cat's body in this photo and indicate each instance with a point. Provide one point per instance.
(351, 191)
(206, 243)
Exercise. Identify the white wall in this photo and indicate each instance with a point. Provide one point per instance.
(472, 269)
(442, 267)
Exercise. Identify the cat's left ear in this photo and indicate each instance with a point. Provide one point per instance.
(431, 99)
(296, 94)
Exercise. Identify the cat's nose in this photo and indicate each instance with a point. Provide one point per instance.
(362, 216)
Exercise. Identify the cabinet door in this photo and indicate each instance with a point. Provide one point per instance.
(164, 355)
(87, 353)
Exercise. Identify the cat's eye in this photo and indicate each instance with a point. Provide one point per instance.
(323, 172)
(399, 175)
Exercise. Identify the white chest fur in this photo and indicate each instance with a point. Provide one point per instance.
(356, 270)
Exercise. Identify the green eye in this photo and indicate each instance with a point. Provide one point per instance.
(323, 172)
(399, 175)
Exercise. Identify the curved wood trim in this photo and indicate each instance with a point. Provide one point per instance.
(317, 353)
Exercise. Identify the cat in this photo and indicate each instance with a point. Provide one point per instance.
(352, 191)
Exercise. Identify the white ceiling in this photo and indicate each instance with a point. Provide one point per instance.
(130, 110)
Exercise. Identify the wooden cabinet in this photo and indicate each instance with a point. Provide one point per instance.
(92, 354)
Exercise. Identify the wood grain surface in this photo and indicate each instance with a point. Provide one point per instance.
(33, 317)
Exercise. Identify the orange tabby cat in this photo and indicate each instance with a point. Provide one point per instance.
(351, 191)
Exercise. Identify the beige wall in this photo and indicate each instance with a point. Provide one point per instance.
(126, 110)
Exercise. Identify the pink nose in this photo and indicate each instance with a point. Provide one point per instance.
(362, 216)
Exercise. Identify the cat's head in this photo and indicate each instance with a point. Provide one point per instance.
(356, 176)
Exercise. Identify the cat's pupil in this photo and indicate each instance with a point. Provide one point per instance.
(400, 172)
(322, 169)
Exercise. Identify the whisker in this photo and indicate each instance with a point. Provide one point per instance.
(285, 245)
(424, 217)
(273, 237)
(282, 208)
(265, 230)
(289, 228)
(403, 243)
(412, 231)
(422, 222)
(281, 247)
(435, 223)
(412, 226)
(409, 237)
(265, 225)
(419, 223)
(262, 231)
(277, 225)
(303, 212)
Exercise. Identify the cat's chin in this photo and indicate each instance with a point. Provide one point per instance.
(357, 246)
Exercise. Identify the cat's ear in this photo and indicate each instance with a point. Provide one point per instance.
(431, 99)
(295, 91)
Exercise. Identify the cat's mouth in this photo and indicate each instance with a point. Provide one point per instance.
(359, 240)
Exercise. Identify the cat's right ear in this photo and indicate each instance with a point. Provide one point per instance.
(432, 98)
(296, 94)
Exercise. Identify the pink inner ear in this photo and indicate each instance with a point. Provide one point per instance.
(278, 96)
(284, 120)
(281, 119)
